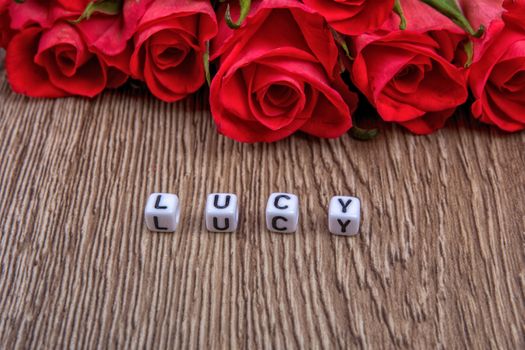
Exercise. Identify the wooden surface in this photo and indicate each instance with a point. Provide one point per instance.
(439, 262)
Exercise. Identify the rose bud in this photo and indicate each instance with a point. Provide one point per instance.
(278, 74)
(170, 44)
(353, 17)
(497, 79)
(56, 62)
(414, 77)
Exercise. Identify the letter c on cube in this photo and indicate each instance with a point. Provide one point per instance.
(282, 212)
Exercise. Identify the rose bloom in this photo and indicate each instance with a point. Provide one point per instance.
(105, 34)
(110, 35)
(497, 79)
(279, 74)
(170, 46)
(61, 59)
(56, 62)
(413, 77)
(353, 17)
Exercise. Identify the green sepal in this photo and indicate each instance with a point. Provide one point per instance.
(107, 7)
(245, 5)
(363, 134)
(206, 58)
(469, 51)
(398, 9)
(451, 9)
(340, 40)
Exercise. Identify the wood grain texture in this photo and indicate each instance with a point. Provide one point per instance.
(439, 262)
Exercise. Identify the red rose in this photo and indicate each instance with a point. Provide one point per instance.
(353, 17)
(56, 62)
(411, 76)
(169, 47)
(110, 34)
(497, 79)
(279, 74)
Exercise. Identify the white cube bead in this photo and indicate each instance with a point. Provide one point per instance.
(162, 212)
(282, 212)
(344, 215)
(222, 212)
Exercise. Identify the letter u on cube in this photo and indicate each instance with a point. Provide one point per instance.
(222, 212)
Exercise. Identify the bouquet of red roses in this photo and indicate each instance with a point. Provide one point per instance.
(280, 66)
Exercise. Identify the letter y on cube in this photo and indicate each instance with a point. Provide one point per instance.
(344, 215)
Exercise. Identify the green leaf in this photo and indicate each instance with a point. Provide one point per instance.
(245, 11)
(451, 9)
(107, 7)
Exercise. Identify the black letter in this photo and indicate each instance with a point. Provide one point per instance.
(157, 203)
(343, 205)
(277, 198)
(156, 222)
(344, 225)
(216, 202)
(216, 224)
(274, 223)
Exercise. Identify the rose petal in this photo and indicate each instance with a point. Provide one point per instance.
(109, 34)
(353, 17)
(23, 74)
(42, 13)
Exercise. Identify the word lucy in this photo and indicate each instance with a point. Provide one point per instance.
(222, 213)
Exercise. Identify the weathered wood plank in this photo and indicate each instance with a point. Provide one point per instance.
(439, 261)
